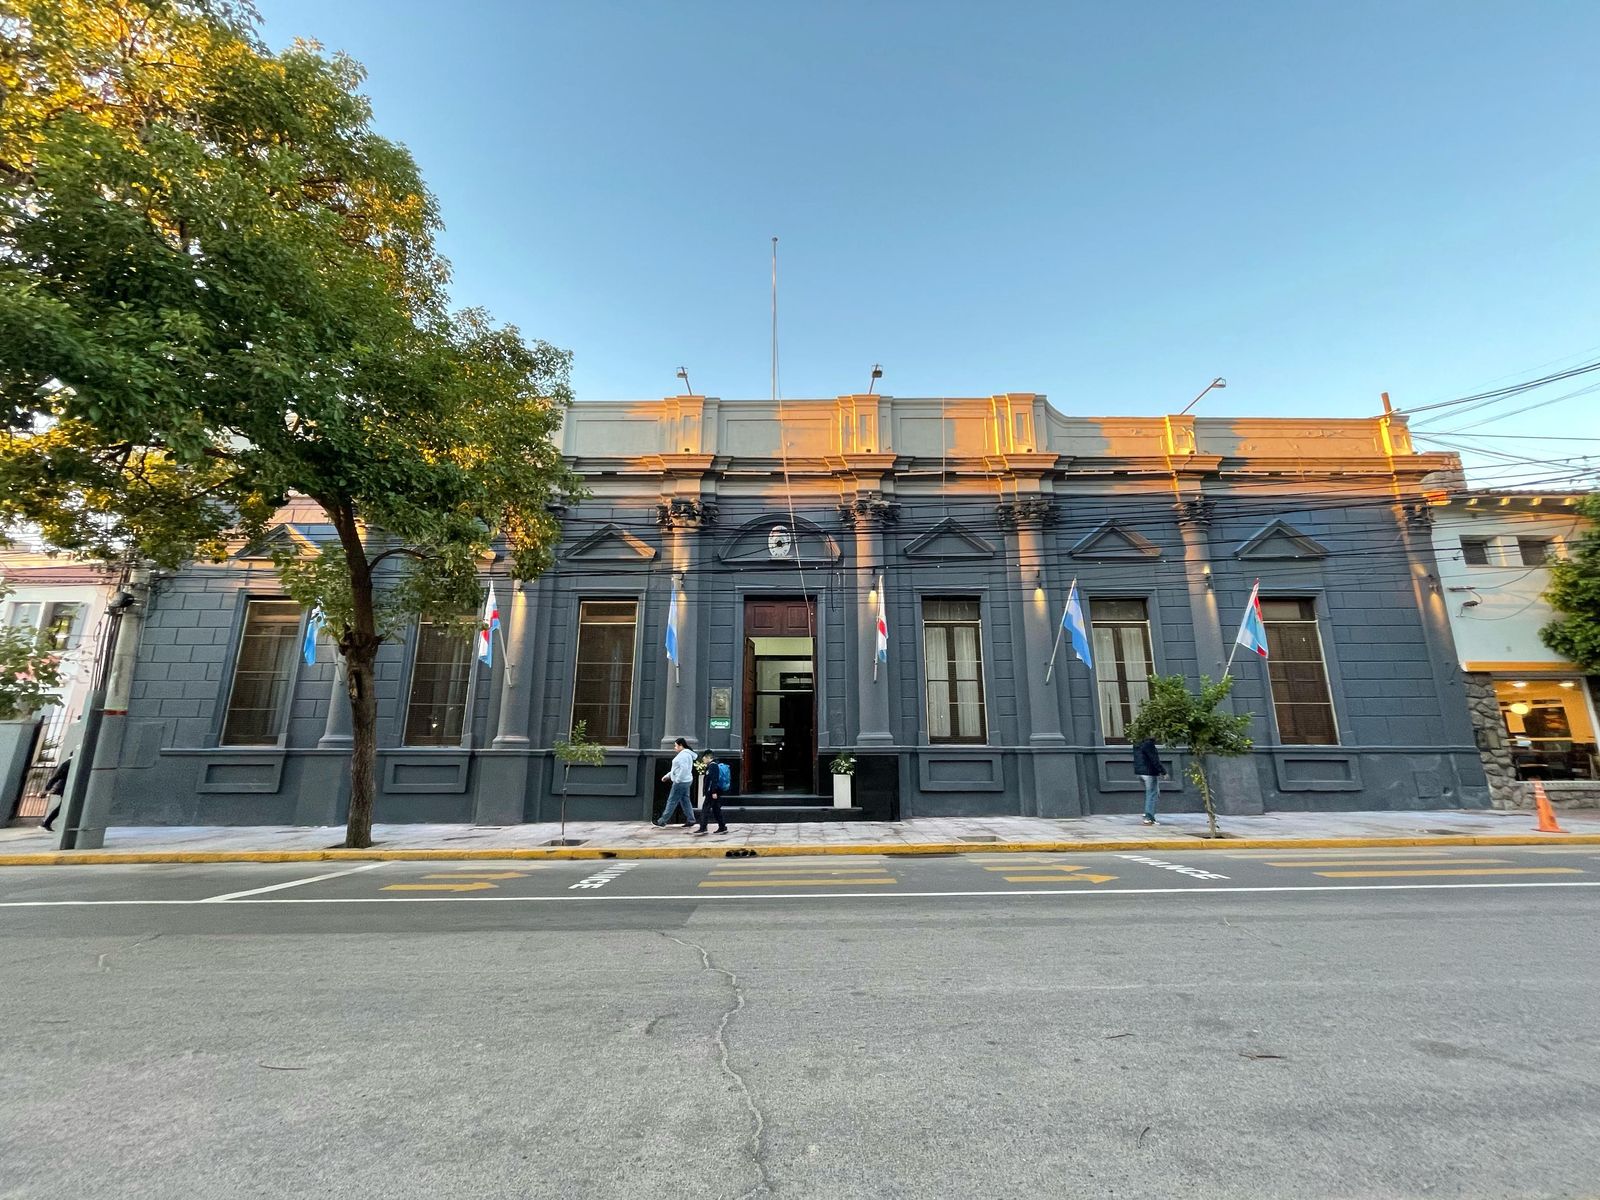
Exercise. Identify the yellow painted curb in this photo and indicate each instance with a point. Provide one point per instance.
(72, 858)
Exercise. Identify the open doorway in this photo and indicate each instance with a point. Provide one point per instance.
(780, 697)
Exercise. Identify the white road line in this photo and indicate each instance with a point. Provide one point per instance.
(703, 897)
(278, 887)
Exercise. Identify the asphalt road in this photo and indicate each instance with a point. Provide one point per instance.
(1204, 1023)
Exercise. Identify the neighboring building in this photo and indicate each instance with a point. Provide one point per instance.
(65, 604)
(1534, 713)
(775, 527)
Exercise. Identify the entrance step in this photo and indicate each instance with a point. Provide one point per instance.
(791, 813)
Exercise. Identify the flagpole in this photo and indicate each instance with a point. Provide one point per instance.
(1248, 605)
(505, 649)
(1060, 628)
(875, 613)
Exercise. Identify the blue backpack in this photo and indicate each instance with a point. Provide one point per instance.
(724, 777)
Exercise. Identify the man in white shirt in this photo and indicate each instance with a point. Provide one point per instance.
(681, 777)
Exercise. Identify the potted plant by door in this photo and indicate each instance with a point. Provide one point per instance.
(843, 768)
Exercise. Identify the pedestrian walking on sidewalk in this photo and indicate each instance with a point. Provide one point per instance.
(1147, 766)
(56, 786)
(681, 776)
(714, 781)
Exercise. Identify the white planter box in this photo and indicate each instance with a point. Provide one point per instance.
(841, 791)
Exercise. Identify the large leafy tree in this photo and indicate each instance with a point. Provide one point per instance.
(1574, 592)
(218, 288)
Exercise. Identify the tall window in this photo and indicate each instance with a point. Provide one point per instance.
(263, 673)
(1475, 551)
(1535, 552)
(952, 644)
(1123, 662)
(603, 693)
(24, 614)
(440, 676)
(63, 626)
(1300, 695)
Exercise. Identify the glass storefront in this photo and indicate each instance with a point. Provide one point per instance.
(1551, 726)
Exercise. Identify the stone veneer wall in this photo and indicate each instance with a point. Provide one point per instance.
(1494, 749)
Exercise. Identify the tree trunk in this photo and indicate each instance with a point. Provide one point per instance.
(359, 644)
(359, 675)
(1205, 795)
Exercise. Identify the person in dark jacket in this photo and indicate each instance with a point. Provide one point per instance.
(1147, 766)
(710, 794)
(56, 786)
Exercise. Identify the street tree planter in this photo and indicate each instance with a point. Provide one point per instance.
(574, 751)
(843, 768)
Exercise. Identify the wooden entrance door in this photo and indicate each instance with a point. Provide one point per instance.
(780, 703)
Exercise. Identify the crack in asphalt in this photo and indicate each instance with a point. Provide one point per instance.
(758, 1122)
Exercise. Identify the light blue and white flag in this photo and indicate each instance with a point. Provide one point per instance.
(314, 624)
(1077, 628)
(672, 628)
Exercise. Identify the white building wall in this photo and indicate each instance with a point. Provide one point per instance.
(1495, 609)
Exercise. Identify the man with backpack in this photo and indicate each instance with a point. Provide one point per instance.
(715, 780)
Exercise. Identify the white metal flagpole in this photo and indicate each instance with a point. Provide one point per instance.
(1249, 604)
(1060, 628)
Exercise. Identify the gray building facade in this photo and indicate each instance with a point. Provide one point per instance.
(776, 534)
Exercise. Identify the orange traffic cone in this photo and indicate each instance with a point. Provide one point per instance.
(1547, 816)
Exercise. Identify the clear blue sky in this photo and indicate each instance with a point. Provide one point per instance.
(1109, 203)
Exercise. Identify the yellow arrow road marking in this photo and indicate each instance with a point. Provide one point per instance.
(439, 887)
(1059, 878)
(1388, 862)
(479, 875)
(736, 883)
(1451, 871)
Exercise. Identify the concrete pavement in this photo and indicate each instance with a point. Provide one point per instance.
(30, 846)
(950, 1033)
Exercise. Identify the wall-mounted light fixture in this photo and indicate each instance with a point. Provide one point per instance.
(1205, 573)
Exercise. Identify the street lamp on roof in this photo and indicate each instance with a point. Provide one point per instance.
(1218, 382)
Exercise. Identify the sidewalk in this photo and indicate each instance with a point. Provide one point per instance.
(928, 835)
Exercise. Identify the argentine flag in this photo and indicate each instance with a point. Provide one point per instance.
(1077, 628)
(314, 624)
(672, 628)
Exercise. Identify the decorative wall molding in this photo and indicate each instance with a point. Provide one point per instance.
(1281, 541)
(1111, 541)
(611, 544)
(947, 541)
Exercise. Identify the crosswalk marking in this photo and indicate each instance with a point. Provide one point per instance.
(733, 871)
(1385, 862)
(847, 881)
(1450, 871)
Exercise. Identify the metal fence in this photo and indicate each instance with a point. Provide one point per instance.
(31, 802)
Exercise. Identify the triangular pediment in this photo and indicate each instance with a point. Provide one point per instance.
(777, 541)
(279, 537)
(1109, 540)
(949, 540)
(611, 544)
(1281, 540)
